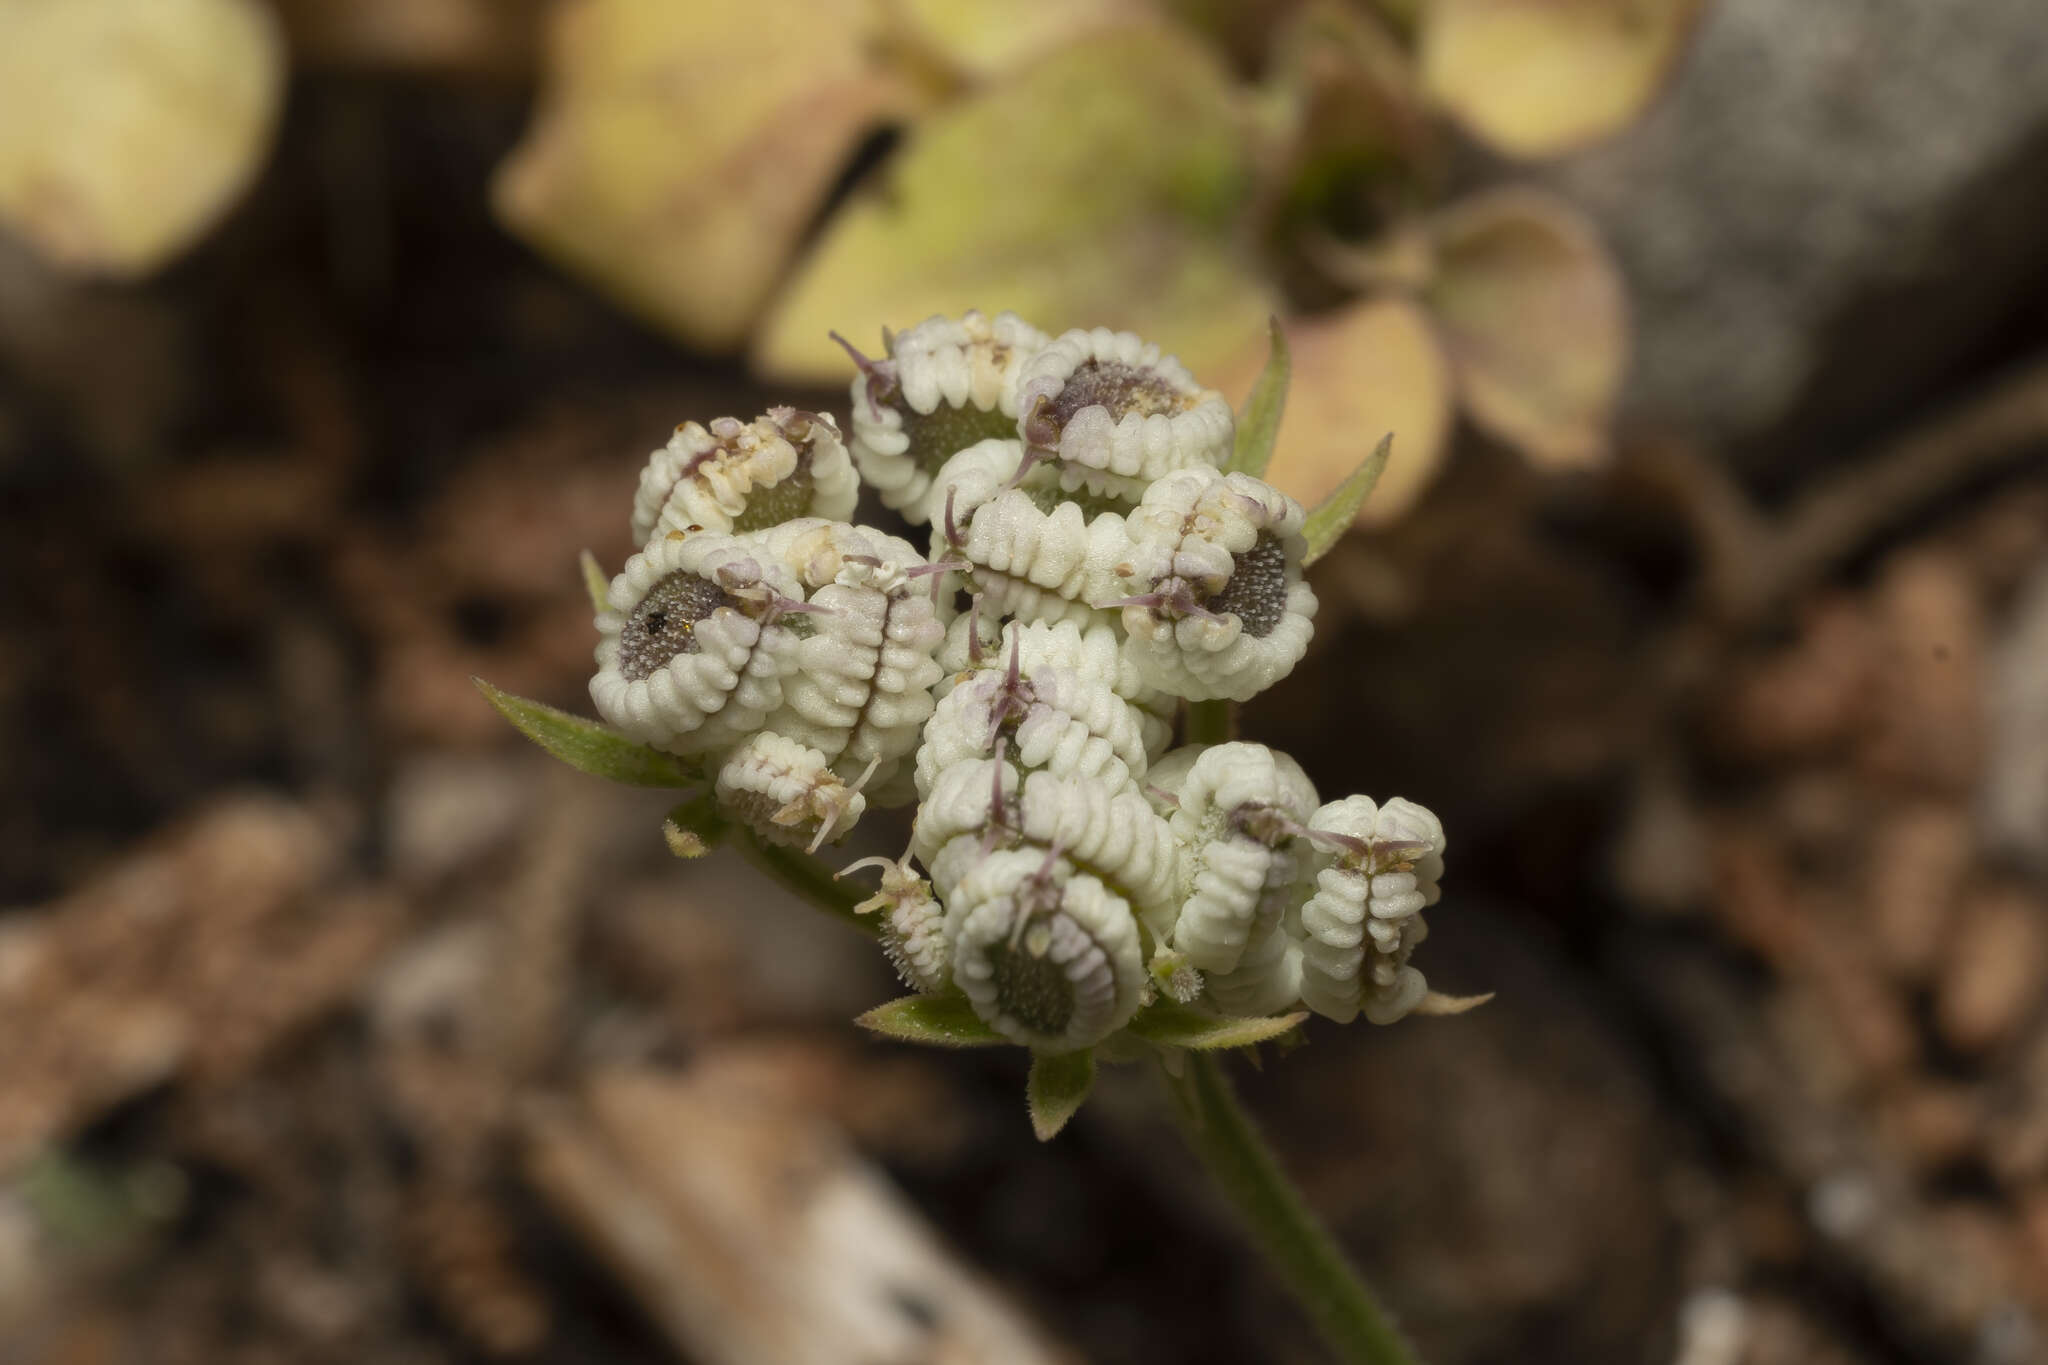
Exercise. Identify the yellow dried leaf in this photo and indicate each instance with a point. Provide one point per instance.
(982, 38)
(1538, 77)
(1101, 186)
(680, 149)
(1372, 369)
(1535, 319)
(128, 126)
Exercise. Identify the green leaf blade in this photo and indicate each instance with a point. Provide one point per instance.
(1172, 1025)
(595, 583)
(1058, 1087)
(588, 746)
(1258, 426)
(933, 1020)
(1332, 517)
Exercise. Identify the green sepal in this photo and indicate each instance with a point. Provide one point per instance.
(1059, 1084)
(1332, 517)
(1258, 426)
(936, 1020)
(1171, 1025)
(595, 583)
(589, 746)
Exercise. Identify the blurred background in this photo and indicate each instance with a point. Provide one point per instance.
(1706, 599)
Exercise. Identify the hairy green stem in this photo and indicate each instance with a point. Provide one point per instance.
(807, 878)
(1211, 722)
(1297, 1247)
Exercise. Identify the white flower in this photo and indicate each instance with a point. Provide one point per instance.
(1266, 980)
(1240, 809)
(861, 688)
(692, 654)
(786, 792)
(1092, 648)
(1024, 551)
(1047, 955)
(1112, 834)
(744, 476)
(1383, 865)
(1053, 719)
(913, 925)
(1214, 605)
(1108, 401)
(944, 385)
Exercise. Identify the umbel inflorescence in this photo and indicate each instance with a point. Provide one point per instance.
(1102, 561)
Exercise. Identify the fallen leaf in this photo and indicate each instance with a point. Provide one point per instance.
(1538, 77)
(680, 150)
(466, 37)
(1101, 186)
(127, 127)
(1534, 317)
(982, 38)
(1372, 370)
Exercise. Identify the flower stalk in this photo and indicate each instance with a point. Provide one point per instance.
(805, 877)
(1297, 1247)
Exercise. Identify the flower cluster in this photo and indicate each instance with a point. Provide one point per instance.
(1097, 560)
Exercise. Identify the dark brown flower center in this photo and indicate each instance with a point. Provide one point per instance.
(1121, 389)
(1257, 590)
(665, 623)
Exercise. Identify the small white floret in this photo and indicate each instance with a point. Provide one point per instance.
(735, 476)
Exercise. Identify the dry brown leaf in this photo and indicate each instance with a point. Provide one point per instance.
(128, 126)
(1535, 318)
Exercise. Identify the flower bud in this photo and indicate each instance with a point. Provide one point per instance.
(1382, 866)
(1214, 603)
(1046, 953)
(786, 792)
(693, 651)
(860, 690)
(1024, 553)
(1109, 401)
(1240, 809)
(738, 476)
(944, 385)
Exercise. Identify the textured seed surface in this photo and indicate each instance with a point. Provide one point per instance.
(1257, 591)
(1122, 389)
(937, 435)
(665, 623)
(1032, 986)
(784, 502)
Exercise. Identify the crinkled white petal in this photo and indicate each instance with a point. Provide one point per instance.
(1113, 834)
(1027, 554)
(786, 792)
(738, 476)
(861, 689)
(692, 656)
(1365, 916)
(945, 385)
(913, 927)
(1050, 720)
(1215, 561)
(1047, 955)
(1092, 647)
(1266, 980)
(1239, 808)
(1109, 401)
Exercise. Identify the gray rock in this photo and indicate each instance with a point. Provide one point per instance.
(1833, 207)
